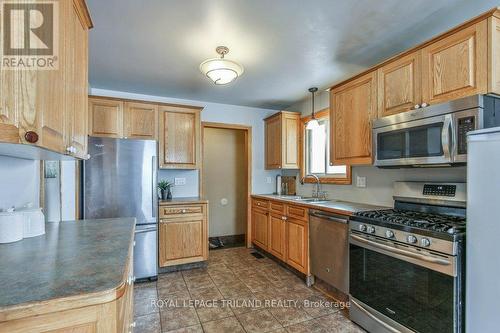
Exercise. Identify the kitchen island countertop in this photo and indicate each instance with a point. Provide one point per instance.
(72, 260)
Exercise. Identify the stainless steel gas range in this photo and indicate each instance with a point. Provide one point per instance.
(407, 264)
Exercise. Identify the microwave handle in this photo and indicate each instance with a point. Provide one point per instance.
(446, 136)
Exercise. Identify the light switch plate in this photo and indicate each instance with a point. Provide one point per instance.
(180, 181)
(268, 180)
(360, 181)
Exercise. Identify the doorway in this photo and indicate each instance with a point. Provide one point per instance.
(226, 179)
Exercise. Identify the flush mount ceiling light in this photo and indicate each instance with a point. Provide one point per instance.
(313, 123)
(221, 70)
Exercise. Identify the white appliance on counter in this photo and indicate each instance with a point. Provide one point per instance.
(25, 222)
(483, 227)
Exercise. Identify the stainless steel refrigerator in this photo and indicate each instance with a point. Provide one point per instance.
(120, 181)
(483, 228)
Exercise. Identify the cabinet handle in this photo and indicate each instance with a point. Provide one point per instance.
(31, 137)
(424, 105)
(417, 106)
(183, 211)
(284, 218)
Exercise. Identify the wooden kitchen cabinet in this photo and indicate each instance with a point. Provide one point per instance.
(43, 107)
(105, 117)
(140, 121)
(180, 137)
(183, 234)
(399, 85)
(297, 239)
(283, 140)
(352, 108)
(277, 236)
(456, 66)
(260, 228)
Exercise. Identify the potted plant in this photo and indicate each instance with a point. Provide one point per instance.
(164, 186)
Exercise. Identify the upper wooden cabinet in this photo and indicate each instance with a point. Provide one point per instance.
(106, 117)
(399, 85)
(140, 121)
(282, 141)
(456, 66)
(180, 137)
(46, 107)
(352, 107)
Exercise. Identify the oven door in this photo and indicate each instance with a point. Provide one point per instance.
(417, 142)
(413, 288)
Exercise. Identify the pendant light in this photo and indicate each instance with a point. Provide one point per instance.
(221, 70)
(313, 123)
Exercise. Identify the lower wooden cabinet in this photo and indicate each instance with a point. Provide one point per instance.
(283, 231)
(297, 236)
(260, 228)
(277, 232)
(183, 234)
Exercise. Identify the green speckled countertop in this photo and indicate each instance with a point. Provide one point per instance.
(72, 258)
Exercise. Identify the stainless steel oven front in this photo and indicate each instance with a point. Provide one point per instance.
(395, 287)
(430, 136)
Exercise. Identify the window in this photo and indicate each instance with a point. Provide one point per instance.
(317, 153)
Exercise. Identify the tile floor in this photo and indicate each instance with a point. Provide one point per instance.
(235, 293)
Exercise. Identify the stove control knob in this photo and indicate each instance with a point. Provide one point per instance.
(362, 227)
(370, 229)
(425, 242)
(411, 239)
(389, 233)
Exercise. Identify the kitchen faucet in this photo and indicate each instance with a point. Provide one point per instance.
(318, 184)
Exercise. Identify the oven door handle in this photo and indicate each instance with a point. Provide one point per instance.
(406, 253)
(380, 322)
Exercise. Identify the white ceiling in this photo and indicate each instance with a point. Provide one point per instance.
(286, 46)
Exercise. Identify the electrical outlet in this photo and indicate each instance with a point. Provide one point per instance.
(360, 181)
(180, 181)
(268, 180)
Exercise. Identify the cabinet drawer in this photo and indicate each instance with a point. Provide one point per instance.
(298, 212)
(259, 203)
(180, 211)
(277, 207)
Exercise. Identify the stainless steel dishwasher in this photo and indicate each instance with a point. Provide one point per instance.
(329, 248)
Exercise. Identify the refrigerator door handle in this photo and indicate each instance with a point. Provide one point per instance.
(154, 196)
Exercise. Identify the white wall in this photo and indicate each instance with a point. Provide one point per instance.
(378, 190)
(19, 182)
(221, 113)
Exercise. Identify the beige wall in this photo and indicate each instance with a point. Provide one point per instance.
(224, 178)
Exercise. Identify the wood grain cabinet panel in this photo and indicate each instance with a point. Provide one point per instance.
(183, 234)
(399, 85)
(494, 55)
(456, 66)
(353, 106)
(277, 234)
(180, 138)
(283, 140)
(260, 228)
(106, 117)
(297, 235)
(140, 121)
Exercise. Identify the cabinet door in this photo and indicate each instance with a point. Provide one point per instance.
(456, 66)
(399, 85)
(352, 108)
(273, 143)
(9, 130)
(105, 117)
(260, 228)
(140, 121)
(290, 141)
(297, 235)
(181, 241)
(277, 232)
(179, 138)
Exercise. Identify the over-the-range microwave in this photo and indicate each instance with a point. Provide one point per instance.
(435, 135)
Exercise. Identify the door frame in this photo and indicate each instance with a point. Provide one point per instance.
(248, 152)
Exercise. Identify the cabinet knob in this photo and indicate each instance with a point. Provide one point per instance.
(133, 324)
(31, 137)
(424, 105)
(183, 211)
(417, 106)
